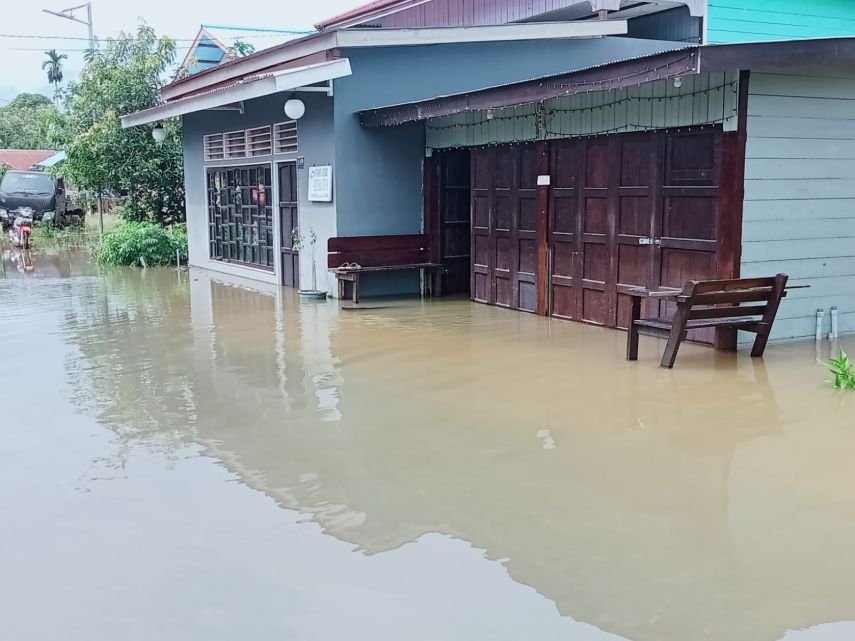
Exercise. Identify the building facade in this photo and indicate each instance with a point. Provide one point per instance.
(554, 162)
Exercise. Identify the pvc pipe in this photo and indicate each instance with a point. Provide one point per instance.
(819, 314)
(835, 334)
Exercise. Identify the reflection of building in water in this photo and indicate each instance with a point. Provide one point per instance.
(667, 507)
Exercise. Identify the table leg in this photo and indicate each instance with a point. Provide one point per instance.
(632, 334)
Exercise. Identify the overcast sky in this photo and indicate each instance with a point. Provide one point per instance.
(21, 58)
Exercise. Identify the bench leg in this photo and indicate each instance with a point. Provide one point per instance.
(760, 342)
(632, 332)
(340, 289)
(678, 335)
(769, 316)
(356, 289)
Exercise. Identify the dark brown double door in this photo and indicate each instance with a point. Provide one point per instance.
(289, 226)
(623, 211)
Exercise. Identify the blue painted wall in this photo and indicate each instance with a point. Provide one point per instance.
(762, 20)
(378, 174)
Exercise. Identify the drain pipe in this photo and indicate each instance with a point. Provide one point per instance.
(819, 315)
(834, 335)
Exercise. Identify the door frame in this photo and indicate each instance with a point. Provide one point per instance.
(279, 267)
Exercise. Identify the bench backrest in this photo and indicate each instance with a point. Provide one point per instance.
(709, 299)
(378, 251)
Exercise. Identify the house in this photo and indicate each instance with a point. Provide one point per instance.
(215, 44)
(557, 152)
(23, 158)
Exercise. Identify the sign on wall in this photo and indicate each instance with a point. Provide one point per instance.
(320, 184)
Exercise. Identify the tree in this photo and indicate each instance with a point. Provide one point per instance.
(239, 49)
(53, 65)
(31, 121)
(124, 76)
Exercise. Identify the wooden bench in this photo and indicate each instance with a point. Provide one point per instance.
(351, 256)
(709, 303)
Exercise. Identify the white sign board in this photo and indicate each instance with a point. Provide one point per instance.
(320, 184)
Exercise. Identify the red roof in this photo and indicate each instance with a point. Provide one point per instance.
(365, 9)
(23, 158)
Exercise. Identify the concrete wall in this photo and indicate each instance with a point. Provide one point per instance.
(758, 20)
(315, 144)
(799, 213)
(378, 173)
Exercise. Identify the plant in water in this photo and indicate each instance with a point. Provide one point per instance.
(843, 371)
(142, 244)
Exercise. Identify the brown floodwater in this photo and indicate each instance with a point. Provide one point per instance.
(188, 459)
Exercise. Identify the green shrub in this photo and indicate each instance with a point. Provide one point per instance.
(143, 244)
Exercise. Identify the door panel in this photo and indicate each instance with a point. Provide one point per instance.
(289, 226)
(566, 162)
(595, 246)
(687, 222)
(630, 210)
(504, 226)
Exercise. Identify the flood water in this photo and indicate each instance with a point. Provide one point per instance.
(187, 459)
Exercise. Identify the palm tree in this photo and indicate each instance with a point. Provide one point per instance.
(53, 65)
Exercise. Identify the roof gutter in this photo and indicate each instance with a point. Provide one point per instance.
(287, 80)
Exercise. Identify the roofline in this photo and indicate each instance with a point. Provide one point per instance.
(360, 15)
(613, 75)
(341, 39)
(202, 32)
(247, 89)
(363, 14)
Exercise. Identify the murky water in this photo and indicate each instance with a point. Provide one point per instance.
(184, 459)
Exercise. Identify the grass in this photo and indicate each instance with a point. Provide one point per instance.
(76, 238)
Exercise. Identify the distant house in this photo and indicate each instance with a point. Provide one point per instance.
(24, 158)
(557, 152)
(214, 45)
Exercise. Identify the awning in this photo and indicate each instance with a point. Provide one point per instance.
(624, 73)
(54, 160)
(244, 89)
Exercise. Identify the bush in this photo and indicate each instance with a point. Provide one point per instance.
(142, 243)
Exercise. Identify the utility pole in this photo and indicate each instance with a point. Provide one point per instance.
(68, 14)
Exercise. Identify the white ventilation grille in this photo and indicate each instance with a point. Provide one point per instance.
(214, 147)
(258, 141)
(235, 144)
(251, 143)
(285, 137)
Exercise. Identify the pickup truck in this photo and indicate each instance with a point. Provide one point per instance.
(42, 192)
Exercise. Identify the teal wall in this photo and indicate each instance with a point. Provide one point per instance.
(758, 20)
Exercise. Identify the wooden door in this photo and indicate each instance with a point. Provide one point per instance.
(631, 210)
(504, 226)
(595, 219)
(637, 161)
(687, 223)
(566, 161)
(455, 220)
(288, 225)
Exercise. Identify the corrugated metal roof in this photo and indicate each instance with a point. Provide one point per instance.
(362, 10)
(24, 158)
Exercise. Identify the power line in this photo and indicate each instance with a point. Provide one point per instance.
(277, 34)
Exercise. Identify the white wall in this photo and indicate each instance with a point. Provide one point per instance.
(799, 210)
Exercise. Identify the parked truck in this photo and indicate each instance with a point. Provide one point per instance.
(40, 191)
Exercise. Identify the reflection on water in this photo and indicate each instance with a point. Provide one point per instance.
(523, 457)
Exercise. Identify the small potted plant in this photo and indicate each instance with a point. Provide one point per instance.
(298, 242)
